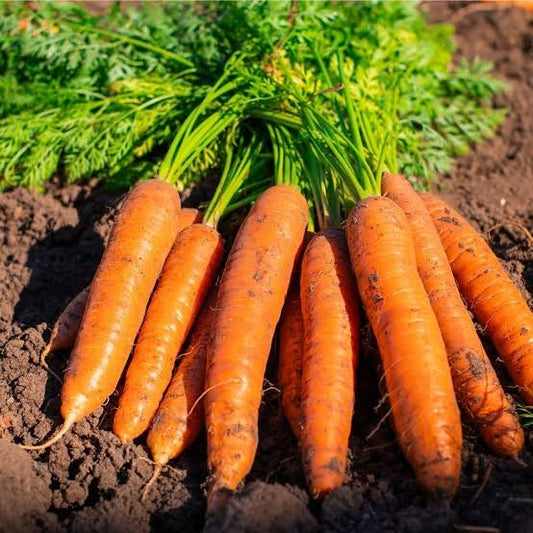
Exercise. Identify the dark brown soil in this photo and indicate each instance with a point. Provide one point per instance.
(50, 247)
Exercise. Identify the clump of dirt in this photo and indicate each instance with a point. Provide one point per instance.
(50, 247)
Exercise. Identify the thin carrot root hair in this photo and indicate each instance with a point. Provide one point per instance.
(67, 424)
(157, 471)
(206, 391)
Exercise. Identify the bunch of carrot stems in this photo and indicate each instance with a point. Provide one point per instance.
(405, 260)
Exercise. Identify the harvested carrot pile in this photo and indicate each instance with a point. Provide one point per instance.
(315, 129)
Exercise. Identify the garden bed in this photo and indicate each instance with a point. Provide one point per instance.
(51, 247)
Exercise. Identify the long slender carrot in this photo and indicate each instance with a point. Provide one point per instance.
(250, 299)
(140, 240)
(415, 364)
(67, 325)
(476, 385)
(188, 274)
(180, 416)
(489, 292)
(331, 340)
(291, 344)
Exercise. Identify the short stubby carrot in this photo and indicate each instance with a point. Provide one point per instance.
(180, 417)
(489, 292)
(66, 328)
(331, 319)
(188, 274)
(140, 240)
(251, 294)
(476, 384)
(419, 384)
(291, 342)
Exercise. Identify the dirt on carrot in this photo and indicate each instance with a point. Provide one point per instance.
(51, 247)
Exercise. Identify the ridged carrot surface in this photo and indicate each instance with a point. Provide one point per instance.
(291, 343)
(140, 240)
(476, 384)
(180, 417)
(489, 292)
(331, 319)
(250, 299)
(66, 327)
(188, 274)
(419, 384)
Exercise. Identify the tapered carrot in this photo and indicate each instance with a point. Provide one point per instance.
(489, 292)
(415, 364)
(67, 325)
(140, 240)
(291, 343)
(180, 416)
(331, 340)
(476, 385)
(250, 299)
(188, 274)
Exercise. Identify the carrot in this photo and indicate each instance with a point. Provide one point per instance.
(476, 385)
(291, 343)
(180, 417)
(188, 274)
(331, 339)
(250, 299)
(415, 364)
(67, 325)
(140, 240)
(489, 292)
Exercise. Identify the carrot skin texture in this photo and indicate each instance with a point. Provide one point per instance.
(250, 299)
(423, 405)
(331, 318)
(140, 240)
(175, 426)
(291, 343)
(489, 292)
(188, 274)
(476, 384)
(67, 325)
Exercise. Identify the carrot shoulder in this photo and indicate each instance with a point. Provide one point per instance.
(250, 299)
(66, 327)
(489, 292)
(187, 275)
(419, 384)
(139, 243)
(331, 319)
(476, 385)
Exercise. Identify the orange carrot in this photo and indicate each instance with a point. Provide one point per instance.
(180, 417)
(331, 320)
(140, 240)
(67, 325)
(420, 389)
(250, 299)
(489, 292)
(476, 385)
(188, 274)
(291, 343)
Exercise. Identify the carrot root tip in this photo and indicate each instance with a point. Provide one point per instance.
(157, 471)
(64, 428)
(218, 500)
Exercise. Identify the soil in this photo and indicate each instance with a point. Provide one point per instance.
(89, 482)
